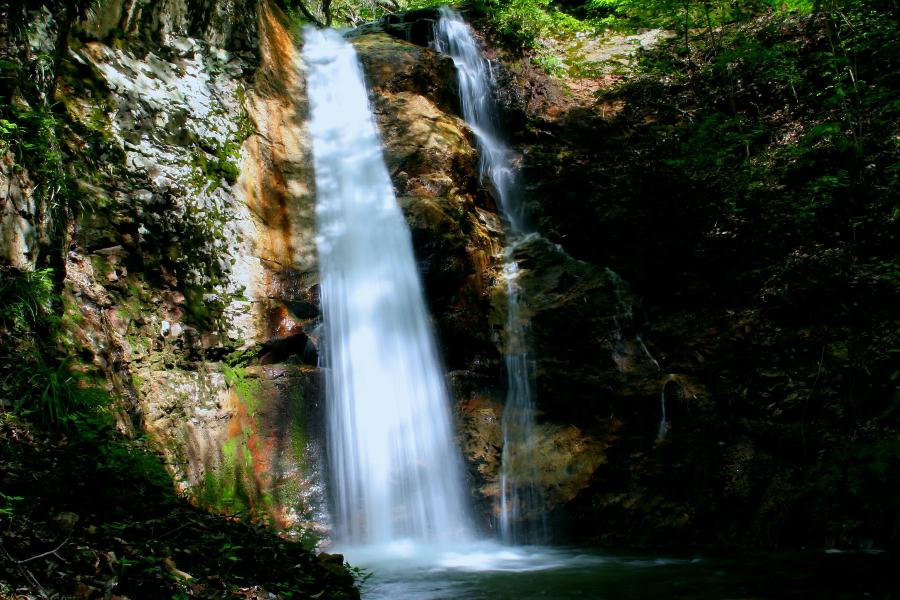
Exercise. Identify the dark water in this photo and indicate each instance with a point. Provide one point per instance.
(497, 573)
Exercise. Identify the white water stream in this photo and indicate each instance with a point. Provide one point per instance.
(396, 474)
(518, 501)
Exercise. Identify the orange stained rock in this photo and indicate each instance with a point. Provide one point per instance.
(277, 179)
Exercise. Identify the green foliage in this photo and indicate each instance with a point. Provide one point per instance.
(26, 298)
(31, 135)
(360, 574)
(8, 506)
(43, 385)
(525, 22)
(723, 147)
(119, 460)
(63, 395)
(756, 169)
(684, 14)
(550, 63)
(853, 485)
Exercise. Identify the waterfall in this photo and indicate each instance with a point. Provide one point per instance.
(663, 427)
(476, 95)
(396, 473)
(518, 498)
(663, 423)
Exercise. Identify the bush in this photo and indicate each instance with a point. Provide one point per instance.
(36, 380)
(25, 299)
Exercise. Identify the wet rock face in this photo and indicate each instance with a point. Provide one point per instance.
(580, 322)
(392, 65)
(245, 440)
(174, 122)
(415, 26)
(431, 159)
(232, 25)
(567, 456)
(19, 219)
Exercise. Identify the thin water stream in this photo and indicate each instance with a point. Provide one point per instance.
(519, 511)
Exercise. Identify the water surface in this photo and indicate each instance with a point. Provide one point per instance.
(491, 571)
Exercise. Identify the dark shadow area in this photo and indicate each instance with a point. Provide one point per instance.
(94, 505)
(747, 193)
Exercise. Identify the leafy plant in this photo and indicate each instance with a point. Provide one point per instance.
(43, 385)
(25, 298)
(360, 574)
(8, 505)
(62, 394)
(525, 22)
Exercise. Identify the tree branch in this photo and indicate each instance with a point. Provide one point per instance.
(48, 553)
(308, 14)
(25, 572)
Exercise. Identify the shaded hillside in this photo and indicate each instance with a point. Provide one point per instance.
(88, 515)
(746, 187)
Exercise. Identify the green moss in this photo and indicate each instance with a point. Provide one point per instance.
(217, 161)
(137, 381)
(241, 358)
(217, 164)
(101, 267)
(298, 427)
(247, 390)
(71, 313)
(139, 344)
(234, 487)
(224, 488)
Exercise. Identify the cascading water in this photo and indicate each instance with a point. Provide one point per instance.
(476, 94)
(663, 427)
(395, 470)
(518, 497)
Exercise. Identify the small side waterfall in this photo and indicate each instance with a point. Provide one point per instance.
(663, 422)
(395, 469)
(518, 498)
(663, 427)
(453, 37)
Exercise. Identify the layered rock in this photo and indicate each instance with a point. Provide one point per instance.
(199, 254)
(430, 156)
(588, 360)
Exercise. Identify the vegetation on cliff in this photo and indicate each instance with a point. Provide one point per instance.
(744, 181)
(85, 513)
(87, 506)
